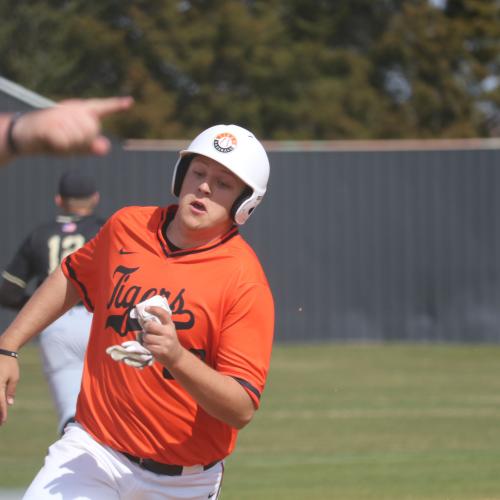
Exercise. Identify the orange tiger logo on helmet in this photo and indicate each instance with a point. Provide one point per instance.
(225, 142)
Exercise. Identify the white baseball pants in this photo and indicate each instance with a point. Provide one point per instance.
(62, 349)
(79, 468)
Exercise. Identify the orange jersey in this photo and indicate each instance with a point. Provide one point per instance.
(223, 311)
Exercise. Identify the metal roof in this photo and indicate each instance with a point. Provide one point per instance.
(23, 94)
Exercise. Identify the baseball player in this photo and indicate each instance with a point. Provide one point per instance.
(161, 427)
(62, 344)
(72, 126)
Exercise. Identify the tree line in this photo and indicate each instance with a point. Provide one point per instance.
(287, 69)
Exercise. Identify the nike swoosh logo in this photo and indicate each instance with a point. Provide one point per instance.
(124, 252)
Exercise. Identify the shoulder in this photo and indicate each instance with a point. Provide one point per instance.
(97, 219)
(43, 230)
(246, 281)
(87, 224)
(245, 261)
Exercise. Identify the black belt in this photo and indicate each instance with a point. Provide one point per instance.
(163, 469)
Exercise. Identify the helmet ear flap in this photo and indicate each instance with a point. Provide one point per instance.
(244, 196)
(180, 173)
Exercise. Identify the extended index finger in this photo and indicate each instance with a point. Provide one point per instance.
(109, 105)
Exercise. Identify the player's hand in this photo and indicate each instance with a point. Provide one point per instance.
(161, 338)
(9, 376)
(72, 126)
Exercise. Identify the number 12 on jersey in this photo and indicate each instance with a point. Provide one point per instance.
(61, 246)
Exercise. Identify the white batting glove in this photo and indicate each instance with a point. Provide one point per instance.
(132, 352)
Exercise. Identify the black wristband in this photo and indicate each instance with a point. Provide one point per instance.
(11, 143)
(11, 354)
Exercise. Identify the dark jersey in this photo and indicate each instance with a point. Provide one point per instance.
(44, 249)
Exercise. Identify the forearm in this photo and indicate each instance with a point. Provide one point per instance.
(219, 395)
(52, 299)
(23, 134)
(70, 127)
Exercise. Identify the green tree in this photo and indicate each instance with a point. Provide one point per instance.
(286, 69)
(430, 68)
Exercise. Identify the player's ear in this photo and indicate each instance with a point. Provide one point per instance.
(96, 198)
(58, 200)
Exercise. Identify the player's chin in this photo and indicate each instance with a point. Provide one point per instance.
(195, 221)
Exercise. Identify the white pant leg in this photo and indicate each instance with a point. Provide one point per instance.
(62, 349)
(79, 468)
(75, 469)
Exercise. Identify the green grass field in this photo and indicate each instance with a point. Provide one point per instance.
(338, 421)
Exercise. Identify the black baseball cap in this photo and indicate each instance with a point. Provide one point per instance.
(76, 184)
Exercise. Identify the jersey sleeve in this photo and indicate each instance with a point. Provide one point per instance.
(20, 270)
(82, 266)
(246, 339)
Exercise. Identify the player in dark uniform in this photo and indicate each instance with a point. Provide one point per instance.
(62, 344)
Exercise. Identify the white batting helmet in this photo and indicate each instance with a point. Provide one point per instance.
(240, 152)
